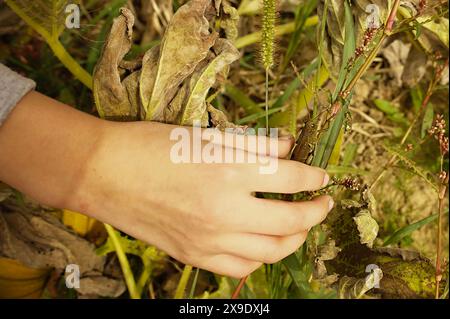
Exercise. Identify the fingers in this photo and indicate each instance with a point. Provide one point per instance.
(262, 248)
(291, 177)
(255, 144)
(228, 265)
(280, 218)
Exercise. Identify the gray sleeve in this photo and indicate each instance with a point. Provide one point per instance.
(13, 87)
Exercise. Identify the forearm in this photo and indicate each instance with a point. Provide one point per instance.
(44, 146)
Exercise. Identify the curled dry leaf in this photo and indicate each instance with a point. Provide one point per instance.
(431, 32)
(367, 227)
(333, 47)
(110, 93)
(186, 42)
(396, 54)
(196, 104)
(327, 251)
(171, 82)
(39, 240)
(356, 288)
(230, 21)
(220, 121)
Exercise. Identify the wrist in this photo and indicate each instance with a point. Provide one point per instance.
(44, 146)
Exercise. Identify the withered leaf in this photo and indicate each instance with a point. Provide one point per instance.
(220, 121)
(196, 105)
(230, 21)
(367, 227)
(186, 42)
(39, 240)
(335, 30)
(329, 250)
(406, 255)
(356, 288)
(111, 97)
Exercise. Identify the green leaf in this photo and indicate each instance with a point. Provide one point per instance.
(296, 271)
(293, 86)
(409, 229)
(301, 100)
(304, 10)
(385, 106)
(241, 99)
(427, 121)
(417, 98)
(349, 154)
(257, 116)
(391, 111)
(349, 47)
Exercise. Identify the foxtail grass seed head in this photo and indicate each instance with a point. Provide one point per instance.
(268, 33)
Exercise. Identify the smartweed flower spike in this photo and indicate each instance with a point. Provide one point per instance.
(268, 33)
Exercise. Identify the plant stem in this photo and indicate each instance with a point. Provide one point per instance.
(442, 192)
(194, 284)
(143, 278)
(181, 288)
(237, 291)
(124, 264)
(58, 49)
(386, 32)
(70, 63)
(267, 102)
(423, 107)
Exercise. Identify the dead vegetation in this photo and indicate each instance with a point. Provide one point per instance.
(372, 92)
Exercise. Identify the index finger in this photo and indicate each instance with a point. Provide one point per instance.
(257, 144)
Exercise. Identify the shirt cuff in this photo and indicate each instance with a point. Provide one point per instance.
(13, 87)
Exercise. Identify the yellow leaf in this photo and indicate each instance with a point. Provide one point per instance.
(334, 159)
(81, 224)
(19, 281)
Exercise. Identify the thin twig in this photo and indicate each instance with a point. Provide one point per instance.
(237, 291)
(425, 102)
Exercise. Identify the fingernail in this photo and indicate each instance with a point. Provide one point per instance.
(330, 204)
(326, 179)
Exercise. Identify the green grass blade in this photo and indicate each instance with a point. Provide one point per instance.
(408, 230)
(242, 99)
(349, 48)
(301, 15)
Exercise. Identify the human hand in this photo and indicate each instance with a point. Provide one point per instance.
(201, 214)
